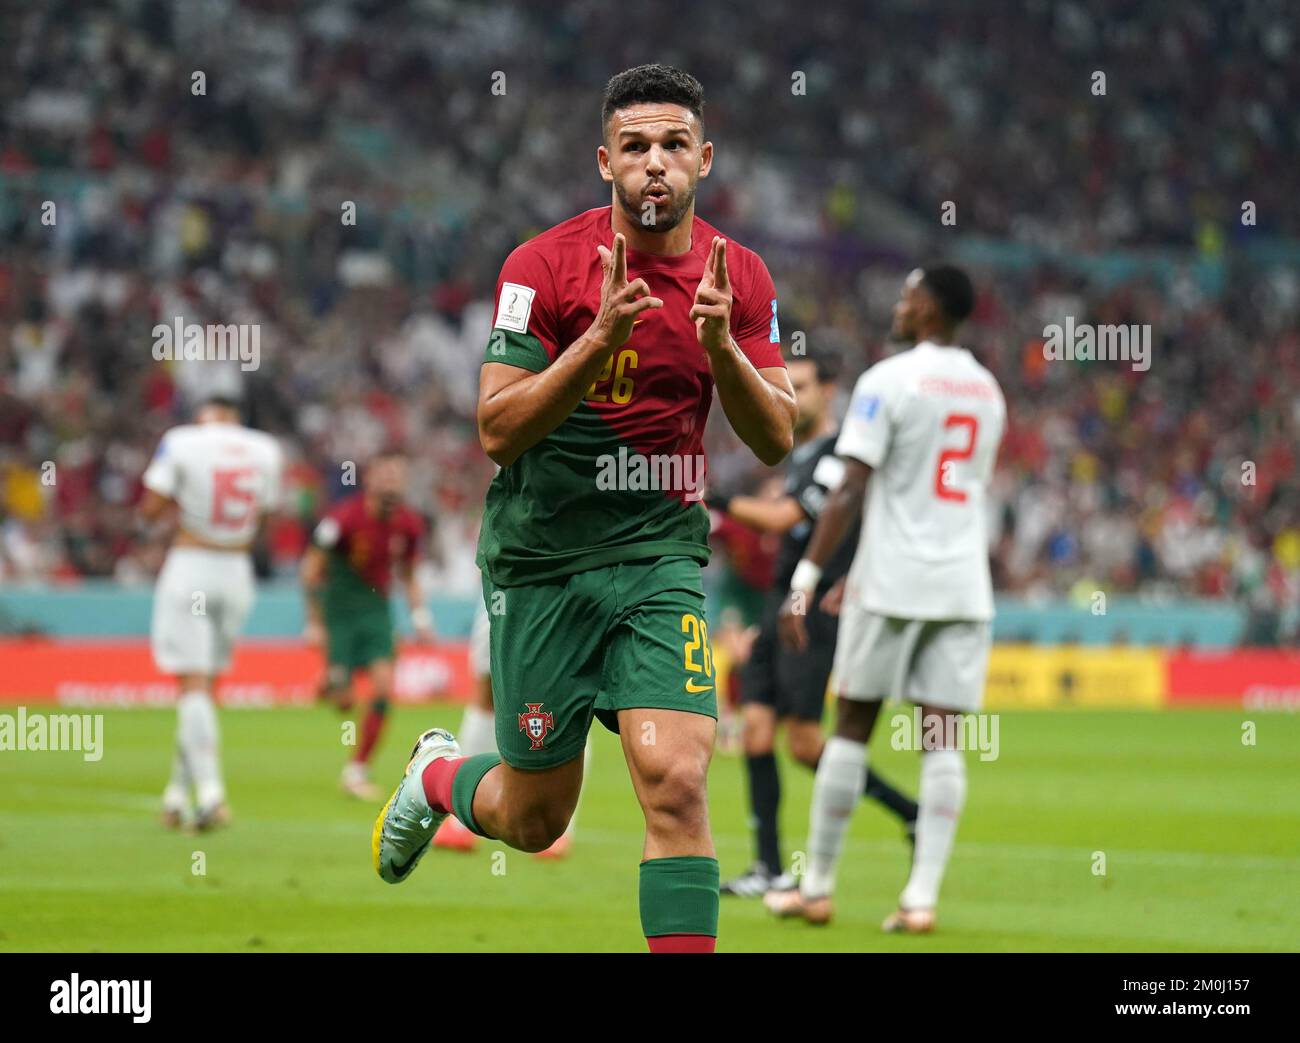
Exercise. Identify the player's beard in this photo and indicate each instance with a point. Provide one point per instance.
(665, 220)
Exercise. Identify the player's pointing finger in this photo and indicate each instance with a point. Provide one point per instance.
(720, 264)
(707, 278)
(620, 259)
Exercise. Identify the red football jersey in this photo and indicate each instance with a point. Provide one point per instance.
(575, 501)
(367, 543)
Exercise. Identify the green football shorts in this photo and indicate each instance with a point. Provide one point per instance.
(355, 641)
(590, 644)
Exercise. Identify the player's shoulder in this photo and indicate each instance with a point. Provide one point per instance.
(743, 263)
(890, 368)
(984, 372)
(180, 433)
(262, 441)
(969, 373)
(557, 244)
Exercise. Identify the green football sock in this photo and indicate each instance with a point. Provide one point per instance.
(679, 896)
(468, 776)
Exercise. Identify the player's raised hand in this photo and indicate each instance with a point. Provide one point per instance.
(620, 301)
(712, 310)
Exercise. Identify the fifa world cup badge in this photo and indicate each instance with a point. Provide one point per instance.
(536, 724)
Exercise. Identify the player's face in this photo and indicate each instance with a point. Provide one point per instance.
(653, 156)
(810, 394)
(913, 309)
(386, 480)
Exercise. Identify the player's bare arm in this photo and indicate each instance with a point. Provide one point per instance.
(778, 515)
(759, 404)
(153, 506)
(312, 576)
(842, 508)
(518, 408)
(421, 616)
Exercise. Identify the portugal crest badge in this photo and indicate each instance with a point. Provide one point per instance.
(536, 723)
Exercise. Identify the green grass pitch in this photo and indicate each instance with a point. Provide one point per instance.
(1200, 833)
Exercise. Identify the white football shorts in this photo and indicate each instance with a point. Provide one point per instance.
(200, 602)
(937, 663)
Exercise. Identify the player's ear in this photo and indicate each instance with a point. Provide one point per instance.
(602, 163)
(706, 158)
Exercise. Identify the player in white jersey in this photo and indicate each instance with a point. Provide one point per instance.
(919, 444)
(221, 478)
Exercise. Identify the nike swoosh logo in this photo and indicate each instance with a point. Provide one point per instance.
(694, 689)
(405, 867)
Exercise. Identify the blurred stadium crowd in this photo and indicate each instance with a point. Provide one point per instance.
(457, 131)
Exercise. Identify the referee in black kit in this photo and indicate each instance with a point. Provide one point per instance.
(780, 687)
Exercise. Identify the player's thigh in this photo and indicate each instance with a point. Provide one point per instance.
(759, 729)
(659, 655)
(546, 792)
(668, 754)
(548, 643)
(181, 634)
(949, 667)
(804, 739)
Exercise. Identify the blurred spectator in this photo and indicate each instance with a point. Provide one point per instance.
(232, 204)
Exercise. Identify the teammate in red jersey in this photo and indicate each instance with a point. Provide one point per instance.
(346, 576)
(613, 331)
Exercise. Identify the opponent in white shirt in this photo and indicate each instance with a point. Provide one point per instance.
(221, 478)
(919, 444)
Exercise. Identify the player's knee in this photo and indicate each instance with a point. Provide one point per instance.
(757, 738)
(677, 792)
(855, 720)
(805, 745)
(540, 829)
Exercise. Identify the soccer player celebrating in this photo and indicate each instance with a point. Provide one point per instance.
(922, 431)
(785, 687)
(221, 478)
(613, 330)
(346, 576)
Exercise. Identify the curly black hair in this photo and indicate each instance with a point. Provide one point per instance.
(652, 83)
(952, 288)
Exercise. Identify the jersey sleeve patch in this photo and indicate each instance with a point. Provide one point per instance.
(829, 472)
(327, 533)
(514, 307)
(866, 432)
